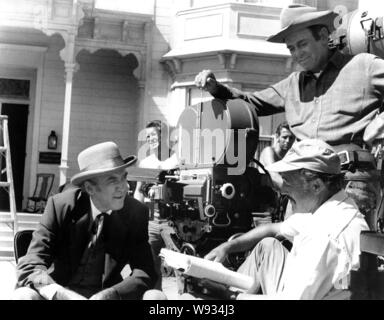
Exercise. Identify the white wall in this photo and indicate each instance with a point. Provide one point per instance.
(158, 83)
(105, 100)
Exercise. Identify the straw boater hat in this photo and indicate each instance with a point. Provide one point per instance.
(100, 159)
(298, 16)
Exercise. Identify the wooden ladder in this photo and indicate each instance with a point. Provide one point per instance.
(8, 185)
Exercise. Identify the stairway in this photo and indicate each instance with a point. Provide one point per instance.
(25, 221)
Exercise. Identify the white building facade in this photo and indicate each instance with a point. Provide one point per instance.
(95, 71)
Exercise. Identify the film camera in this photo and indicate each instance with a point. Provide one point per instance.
(212, 194)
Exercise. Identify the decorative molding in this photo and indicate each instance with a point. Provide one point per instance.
(29, 48)
(227, 60)
(233, 67)
(125, 31)
(172, 66)
(96, 28)
(121, 27)
(70, 69)
(177, 64)
(102, 29)
(221, 58)
(68, 33)
(232, 61)
(169, 68)
(142, 84)
(195, 27)
(256, 25)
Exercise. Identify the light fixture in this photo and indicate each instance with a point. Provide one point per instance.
(52, 141)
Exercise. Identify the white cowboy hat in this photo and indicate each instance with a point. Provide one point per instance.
(298, 16)
(100, 159)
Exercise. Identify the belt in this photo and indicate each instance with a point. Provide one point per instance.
(357, 159)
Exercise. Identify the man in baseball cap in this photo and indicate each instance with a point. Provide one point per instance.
(310, 154)
(325, 232)
(88, 234)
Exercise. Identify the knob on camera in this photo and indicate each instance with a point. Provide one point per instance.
(227, 191)
(209, 211)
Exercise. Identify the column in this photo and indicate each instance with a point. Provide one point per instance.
(70, 69)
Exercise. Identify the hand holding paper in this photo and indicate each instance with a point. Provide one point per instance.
(205, 269)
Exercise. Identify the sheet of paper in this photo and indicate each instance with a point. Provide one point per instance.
(205, 269)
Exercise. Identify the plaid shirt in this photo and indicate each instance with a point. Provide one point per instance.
(335, 107)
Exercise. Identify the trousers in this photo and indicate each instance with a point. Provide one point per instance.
(26, 293)
(266, 264)
(157, 243)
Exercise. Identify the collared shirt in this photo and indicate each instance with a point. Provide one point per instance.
(87, 280)
(334, 107)
(326, 247)
(152, 162)
(96, 212)
(50, 290)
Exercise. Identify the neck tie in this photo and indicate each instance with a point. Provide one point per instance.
(97, 228)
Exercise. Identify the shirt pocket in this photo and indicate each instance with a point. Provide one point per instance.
(347, 99)
(298, 113)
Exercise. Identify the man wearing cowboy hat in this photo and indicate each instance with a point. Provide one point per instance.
(88, 234)
(333, 98)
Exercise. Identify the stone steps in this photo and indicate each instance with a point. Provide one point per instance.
(6, 242)
(26, 221)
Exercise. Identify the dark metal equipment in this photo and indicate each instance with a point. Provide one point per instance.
(210, 197)
(361, 31)
(212, 194)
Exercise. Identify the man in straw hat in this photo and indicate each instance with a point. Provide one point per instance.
(88, 234)
(333, 99)
(325, 234)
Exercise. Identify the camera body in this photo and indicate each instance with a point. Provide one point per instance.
(211, 195)
(205, 206)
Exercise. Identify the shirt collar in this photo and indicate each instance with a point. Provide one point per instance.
(336, 60)
(96, 212)
(340, 209)
(335, 200)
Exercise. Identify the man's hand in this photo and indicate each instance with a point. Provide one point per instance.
(66, 294)
(107, 294)
(219, 253)
(206, 80)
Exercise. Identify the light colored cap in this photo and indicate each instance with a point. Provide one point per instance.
(311, 154)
